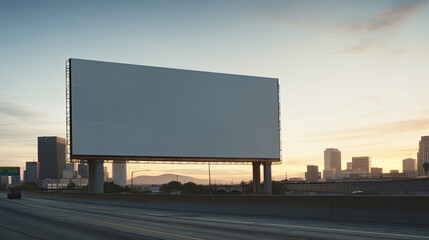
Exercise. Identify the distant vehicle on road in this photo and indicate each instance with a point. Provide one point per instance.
(14, 192)
(358, 192)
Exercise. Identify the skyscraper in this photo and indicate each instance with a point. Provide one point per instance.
(423, 155)
(119, 173)
(361, 164)
(332, 159)
(51, 153)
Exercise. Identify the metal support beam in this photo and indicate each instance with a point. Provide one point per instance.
(95, 176)
(267, 178)
(256, 177)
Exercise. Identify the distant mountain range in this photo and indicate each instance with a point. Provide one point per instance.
(165, 178)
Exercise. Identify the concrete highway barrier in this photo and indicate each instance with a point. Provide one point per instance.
(291, 206)
(362, 208)
(413, 210)
(390, 209)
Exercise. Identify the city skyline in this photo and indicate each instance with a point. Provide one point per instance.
(352, 75)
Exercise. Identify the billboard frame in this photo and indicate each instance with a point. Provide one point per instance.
(161, 159)
(68, 111)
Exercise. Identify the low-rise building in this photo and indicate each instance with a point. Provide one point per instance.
(376, 172)
(49, 183)
(312, 174)
(69, 171)
(349, 166)
(329, 174)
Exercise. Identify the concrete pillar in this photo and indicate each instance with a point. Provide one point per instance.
(267, 178)
(95, 176)
(256, 177)
(91, 176)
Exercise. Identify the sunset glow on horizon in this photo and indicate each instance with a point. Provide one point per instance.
(353, 75)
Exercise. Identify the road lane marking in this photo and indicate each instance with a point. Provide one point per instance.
(137, 228)
(315, 228)
(180, 224)
(278, 236)
(120, 225)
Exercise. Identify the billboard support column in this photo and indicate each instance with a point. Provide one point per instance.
(256, 177)
(95, 176)
(267, 178)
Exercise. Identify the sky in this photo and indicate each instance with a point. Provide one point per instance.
(354, 75)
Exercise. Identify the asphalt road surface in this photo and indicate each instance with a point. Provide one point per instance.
(38, 218)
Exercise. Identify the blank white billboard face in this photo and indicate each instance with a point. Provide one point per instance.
(140, 111)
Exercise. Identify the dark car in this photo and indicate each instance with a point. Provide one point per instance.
(14, 192)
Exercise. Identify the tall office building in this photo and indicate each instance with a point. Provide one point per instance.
(332, 160)
(312, 174)
(409, 168)
(409, 165)
(119, 173)
(52, 156)
(423, 155)
(82, 170)
(361, 164)
(32, 172)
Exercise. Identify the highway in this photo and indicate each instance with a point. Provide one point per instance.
(39, 218)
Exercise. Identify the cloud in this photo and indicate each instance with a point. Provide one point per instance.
(376, 100)
(19, 129)
(401, 51)
(339, 21)
(14, 110)
(17, 123)
(390, 18)
(326, 19)
(384, 129)
(363, 46)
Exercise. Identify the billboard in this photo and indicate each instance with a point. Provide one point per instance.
(131, 112)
